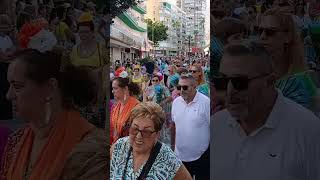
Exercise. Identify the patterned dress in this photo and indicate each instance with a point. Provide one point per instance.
(164, 167)
(299, 88)
(166, 131)
(204, 89)
(216, 53)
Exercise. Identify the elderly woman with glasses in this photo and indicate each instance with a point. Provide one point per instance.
(141, 155)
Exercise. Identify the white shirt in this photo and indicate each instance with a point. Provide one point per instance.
(192, 127)
(287, 147)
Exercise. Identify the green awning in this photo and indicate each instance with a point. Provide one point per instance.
(126, 18)
(167, 5)
(139, 9)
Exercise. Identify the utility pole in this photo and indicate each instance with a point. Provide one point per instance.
(154, 44)
(189, 43)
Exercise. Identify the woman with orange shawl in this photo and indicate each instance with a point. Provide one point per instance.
(124, 91)
(57, 140)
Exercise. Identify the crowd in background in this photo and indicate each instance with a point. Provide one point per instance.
(265, 88)
(158, 80)
(53, 63)
(77, 34)
(291, 36)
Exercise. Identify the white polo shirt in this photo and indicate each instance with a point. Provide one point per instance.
(192, 127)
(287, 147)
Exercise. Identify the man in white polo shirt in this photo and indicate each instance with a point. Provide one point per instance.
(191, 116)
(261, 135)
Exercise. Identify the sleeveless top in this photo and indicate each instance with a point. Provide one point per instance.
(94, 61)
(137, 80)
(164, 167)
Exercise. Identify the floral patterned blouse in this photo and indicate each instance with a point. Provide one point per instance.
(164, 167)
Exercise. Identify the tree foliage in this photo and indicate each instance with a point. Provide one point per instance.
(157, 31)
(116, 7)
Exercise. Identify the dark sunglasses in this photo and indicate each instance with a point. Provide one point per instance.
(192, 71)
(183, 87)
(238, 83)
(155, 80)
(144, 133)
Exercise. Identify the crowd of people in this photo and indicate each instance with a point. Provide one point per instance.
(54, 67)
(249, 110)
(265, 68)
(78, 34)
(162, 100)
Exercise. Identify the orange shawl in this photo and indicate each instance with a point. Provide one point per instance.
(69, 130)
(119, 119)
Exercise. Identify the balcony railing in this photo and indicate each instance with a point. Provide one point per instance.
(124, 35)
(129, 21)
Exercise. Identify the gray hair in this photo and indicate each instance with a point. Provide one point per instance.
(249, 48)
(188, 77)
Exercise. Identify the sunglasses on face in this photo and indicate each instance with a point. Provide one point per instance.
(182, 87)
(144, 133)
(238, 83)
(193, 71)
(155, 80)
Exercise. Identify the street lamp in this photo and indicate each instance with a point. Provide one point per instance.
(154, 44)
(189, 43)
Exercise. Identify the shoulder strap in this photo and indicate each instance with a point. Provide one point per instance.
(154, 153)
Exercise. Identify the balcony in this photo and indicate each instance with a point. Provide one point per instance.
(139, 9)
(132, 22)
(125, 36)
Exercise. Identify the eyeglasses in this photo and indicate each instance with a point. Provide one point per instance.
(182, 87)
(193, 71)
(144, 133)
(238, 83)
(155, 80)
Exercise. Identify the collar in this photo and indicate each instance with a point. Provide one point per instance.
(195, 99)
(273, 118)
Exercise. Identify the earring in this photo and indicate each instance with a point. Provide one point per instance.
(125, 98)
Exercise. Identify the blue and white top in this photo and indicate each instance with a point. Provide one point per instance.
(164, 167)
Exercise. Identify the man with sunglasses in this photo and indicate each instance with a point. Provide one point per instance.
(261, 134)
(191, 118)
